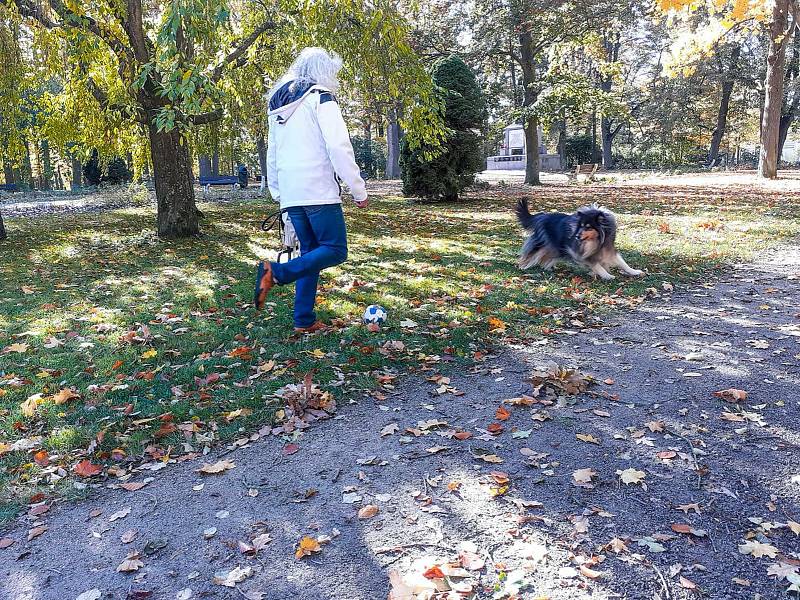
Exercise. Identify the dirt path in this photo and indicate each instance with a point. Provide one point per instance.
(539, 533)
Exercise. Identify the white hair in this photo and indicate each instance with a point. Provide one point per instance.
(314, 66)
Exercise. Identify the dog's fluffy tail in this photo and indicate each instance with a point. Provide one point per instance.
(524, 215)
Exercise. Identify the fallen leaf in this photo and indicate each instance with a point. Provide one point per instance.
(501, 414)
(131, 563)
(631, 475)
(152, 353)
(585, 437)
(65, 396)
(688, 529)
(434, 572)
(132, 486)
(128, 536)
(390, 429)
(218, 467)
(16, 348)
(93, 594)
(758, 549)
(591, 574)
(86, 469)
(368, 511)
(6, 542)
(231, 578)
(583, 476)
(687, 507)
(120, 514)
(36, 532)
(306, 547)
(685, 583)
(732, 395)
(794, 526)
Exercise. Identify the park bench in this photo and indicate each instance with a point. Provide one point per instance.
(208, 182)
(8, 187)
(586, 171)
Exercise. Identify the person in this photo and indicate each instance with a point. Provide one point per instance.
(308, 151)
(243, 174)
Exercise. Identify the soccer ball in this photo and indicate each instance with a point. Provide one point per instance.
(375, 314)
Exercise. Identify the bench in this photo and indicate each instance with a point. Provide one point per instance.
(586, 171)
(207, 182)
(9, 187)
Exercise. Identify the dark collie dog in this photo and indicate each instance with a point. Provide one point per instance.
(585, 237)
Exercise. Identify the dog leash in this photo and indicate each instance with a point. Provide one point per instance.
(268, 224)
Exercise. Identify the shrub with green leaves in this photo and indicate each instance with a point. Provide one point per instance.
(453, 168)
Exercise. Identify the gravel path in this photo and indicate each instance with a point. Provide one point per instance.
(527, 529)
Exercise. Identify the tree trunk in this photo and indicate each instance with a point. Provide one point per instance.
(607, 138)
(76, 173)
(172, 172)
(393, 146)
(8, 171)
(773, 86)
(261, 146)
(532, 163)
(47, 166)
(204, 161)
(530, 125)
(786, 123)
(215, 161)
(724, 102)
(562, 143)
(3, 234)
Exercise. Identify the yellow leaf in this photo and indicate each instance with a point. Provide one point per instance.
(65, 396)
(585, 437)
(149, 354)
(317, 353)
(30, 405)
(18, 348)
(794, 526)
(306, 547)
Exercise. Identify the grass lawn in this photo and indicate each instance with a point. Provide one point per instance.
(118, 348)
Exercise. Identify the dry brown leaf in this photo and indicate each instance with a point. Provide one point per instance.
(218, 467)
(585, 437)
(86, 469)
(732, 395)
(685, 583)
(583, 476)
(758, 549)
(631, 475)
(65, 396)
(131, 563)
(36, 532)
(368, 511)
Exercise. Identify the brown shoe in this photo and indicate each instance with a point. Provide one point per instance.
(264, 283)
(315, 328)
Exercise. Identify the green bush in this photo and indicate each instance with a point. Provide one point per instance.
(454, 166)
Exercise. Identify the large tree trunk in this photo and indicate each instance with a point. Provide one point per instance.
(530, 125)
(393, 143)
(172, 173)
(773, 86)
(724, 103)
(3, 234)
(562, 143)
(607, 138)
(77, 167)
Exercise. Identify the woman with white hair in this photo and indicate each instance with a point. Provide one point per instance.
(309, 151)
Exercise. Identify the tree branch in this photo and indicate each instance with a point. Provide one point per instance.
(208, 117)
(240, 49)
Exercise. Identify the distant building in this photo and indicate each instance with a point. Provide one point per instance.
(512, 152)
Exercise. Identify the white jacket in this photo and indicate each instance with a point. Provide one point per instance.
(309, 145)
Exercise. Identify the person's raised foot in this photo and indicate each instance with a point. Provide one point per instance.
(315, 328)
(264, 283)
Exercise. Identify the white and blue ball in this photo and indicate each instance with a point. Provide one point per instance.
(375, 314)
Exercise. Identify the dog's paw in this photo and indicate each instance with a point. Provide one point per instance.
(635, 273)
(607, 277)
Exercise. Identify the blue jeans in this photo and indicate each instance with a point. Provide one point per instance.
(323, 244)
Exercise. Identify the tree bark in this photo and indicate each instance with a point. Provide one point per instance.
(8, 171)
(47, 166)
(204, 161)
(3, 234)
(172, 174)
(77, 167)
(261, 146)
(393, 146)
(562, 143)
(607, 139)
(773, 86)
(724, 103)
(530, 125)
